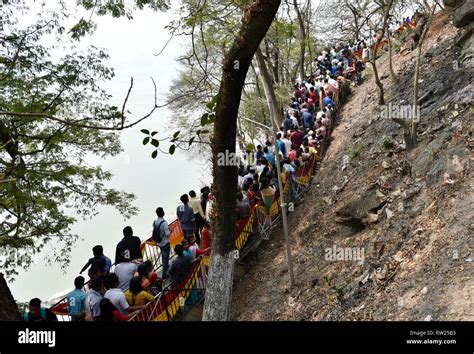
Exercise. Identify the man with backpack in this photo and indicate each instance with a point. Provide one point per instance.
(37, 313)
(161, 234)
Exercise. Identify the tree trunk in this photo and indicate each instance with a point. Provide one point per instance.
(8, 308)
(256, 21)
(415, 116)
(268, 86)
(390, 62)
(374, 59)
(378, 82)
(308, 36)
(303, 39)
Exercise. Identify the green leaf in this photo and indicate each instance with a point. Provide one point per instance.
(146, 141)
(155, 143)
(191, 141)
(144, 131)
(176, 135)
(205, 132)
(172, 149)
(154, 133)
(210, 105)
(154, 154)
(204, 119)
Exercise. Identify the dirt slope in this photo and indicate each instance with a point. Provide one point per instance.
(415, 230)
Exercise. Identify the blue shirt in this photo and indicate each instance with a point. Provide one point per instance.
(108, 264)
(328, 101)
(75, 302)
(282, 147)
(164, 231)
(270, 158)
(308, 120)
(186, 216)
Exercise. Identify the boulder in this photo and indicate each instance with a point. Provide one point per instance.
(422, 165)
(358, 209)
(463, 13)
(463, 17)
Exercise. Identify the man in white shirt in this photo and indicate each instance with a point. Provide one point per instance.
(93, 299)
(116, 296)
(125, 271)
(287, 143)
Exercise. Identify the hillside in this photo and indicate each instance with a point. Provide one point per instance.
(416, 230)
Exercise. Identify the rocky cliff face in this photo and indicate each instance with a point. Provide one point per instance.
(463, 18)
(8, 308)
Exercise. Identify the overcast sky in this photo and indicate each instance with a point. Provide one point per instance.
(159, 182)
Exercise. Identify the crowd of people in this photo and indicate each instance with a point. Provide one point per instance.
(115, 292)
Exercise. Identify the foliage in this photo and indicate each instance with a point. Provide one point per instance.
(46, 183)
(356, 150)
(387, 142)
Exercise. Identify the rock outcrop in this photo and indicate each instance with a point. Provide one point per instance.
(463, 18)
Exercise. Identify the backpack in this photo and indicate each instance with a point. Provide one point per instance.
(44, 316)
(157, 233)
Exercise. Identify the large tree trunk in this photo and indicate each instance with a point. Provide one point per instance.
(303, 39)
(8, 308)
(268, 86)
(257, 18)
